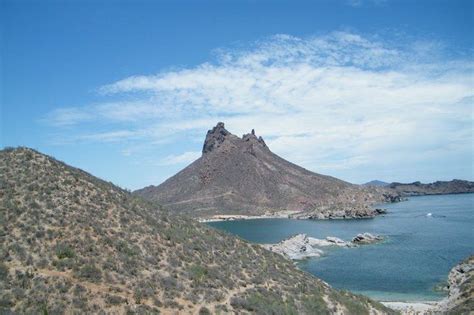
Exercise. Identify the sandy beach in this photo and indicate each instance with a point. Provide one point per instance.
(233, 217)
(412, 308)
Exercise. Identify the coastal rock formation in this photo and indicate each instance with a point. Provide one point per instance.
(241, 176)
(71, 243)
(366, 238)
(301, 246)
(460, 298)
(456, 186)
(297, 247)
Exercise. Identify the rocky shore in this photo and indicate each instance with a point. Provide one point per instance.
(299, 215)
(460, 299)
(233, 217)
(301, 246)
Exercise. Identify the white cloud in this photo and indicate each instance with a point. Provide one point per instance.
(67, 116)
(185, 158)
(112, 136)
(329, 102)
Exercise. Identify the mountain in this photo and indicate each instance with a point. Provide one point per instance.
(72, 243)
(456, 186)
(242, 176)
(376, 183)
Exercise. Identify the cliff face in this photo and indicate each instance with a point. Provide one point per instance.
(242, 176)
(71, 243)
(455, 186)
(460, 298)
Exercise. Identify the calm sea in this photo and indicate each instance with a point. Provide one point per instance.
(415, 259)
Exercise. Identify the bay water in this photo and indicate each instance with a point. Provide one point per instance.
(424, 238)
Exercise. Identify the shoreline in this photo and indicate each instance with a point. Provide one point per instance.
(287, 214)
(236, 217)
(412, 308)
(276, 215)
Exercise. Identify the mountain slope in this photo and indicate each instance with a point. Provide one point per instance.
(456, 186)
(71, 243)
(242, 176)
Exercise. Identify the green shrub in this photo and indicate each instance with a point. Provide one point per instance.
(138, 295)
(114, 300)
(353, 306)
(197, 273)
(204, 311)
(62, 264)
(90, 272)
(314, 304)
(64, 251)
(265, 302)
(3, 271)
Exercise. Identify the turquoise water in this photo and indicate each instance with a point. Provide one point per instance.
(415, 258)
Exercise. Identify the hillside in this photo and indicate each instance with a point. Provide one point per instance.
(456, 186)
(242, 176)
(376, 183)
(72, 243)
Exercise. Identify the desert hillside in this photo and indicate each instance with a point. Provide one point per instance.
(72, 243)
(455, 186)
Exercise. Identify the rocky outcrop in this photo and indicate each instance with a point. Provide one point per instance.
(366, 238)
(296, 247)
(460, 298)
(340, 212)
(214, 138)
(241, 176)
(301, 246)
(393, 197)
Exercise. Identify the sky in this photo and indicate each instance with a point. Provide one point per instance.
(356, 89)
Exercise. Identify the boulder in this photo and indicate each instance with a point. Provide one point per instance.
(301, 246)
(366, 238)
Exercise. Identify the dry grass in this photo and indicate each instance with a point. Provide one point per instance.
(71, 243)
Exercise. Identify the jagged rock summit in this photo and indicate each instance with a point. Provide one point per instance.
(218, 135)
(240, 175)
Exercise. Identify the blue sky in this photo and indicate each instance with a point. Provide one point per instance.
(359, 90)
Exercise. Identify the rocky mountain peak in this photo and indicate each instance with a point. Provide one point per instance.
(218, 134)
(240, 175)
(215, 137)
(251, 137)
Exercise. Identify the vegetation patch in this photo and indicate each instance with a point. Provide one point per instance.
(266, 303)
(64, 251)
(90, 273)
(3, 271)
(198, 273)
(145, 256)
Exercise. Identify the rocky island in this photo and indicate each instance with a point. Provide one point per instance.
(301, 246)
(242, 177)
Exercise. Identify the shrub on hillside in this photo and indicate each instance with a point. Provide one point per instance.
(90, 272)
